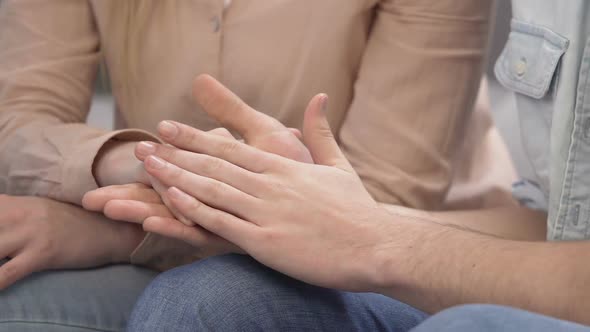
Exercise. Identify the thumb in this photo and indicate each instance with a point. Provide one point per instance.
(318, 136)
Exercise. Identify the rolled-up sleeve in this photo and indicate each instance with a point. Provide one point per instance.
(417, 84)
(49, 54)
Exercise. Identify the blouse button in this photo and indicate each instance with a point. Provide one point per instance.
(216, 23)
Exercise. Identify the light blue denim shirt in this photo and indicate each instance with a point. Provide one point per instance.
(546, 64)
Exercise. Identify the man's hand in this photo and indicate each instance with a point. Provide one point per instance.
(316, 223)
(41, 234)
(257, 129)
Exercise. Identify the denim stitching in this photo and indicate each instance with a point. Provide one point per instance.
(570, 168)
(559, 44)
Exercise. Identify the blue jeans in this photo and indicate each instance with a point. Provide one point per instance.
(493, 318)
(73, 301)
(235, 293)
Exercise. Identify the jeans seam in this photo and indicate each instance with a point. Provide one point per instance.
(56, 323)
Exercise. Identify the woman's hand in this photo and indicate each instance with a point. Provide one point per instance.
(41, 234)
(136, 202)
(316, 223)
(257, 129)
(129, 202)
(116, 164)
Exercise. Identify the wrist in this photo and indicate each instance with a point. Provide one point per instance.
(392, 259)
(115, 164)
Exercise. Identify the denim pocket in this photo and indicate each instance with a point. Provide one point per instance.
(530, 59)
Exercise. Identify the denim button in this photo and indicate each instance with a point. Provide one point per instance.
(530, 59)
(521, 67)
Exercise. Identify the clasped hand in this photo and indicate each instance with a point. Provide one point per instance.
(315, 222)
(135, 202)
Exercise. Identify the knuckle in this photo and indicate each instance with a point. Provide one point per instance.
(324, 132)
(266, 164)
(197, 206)
(222, 132)
(211, 165)
(187, 209)
(220, 220)
(275, 187)
(189, 137)
(228, 148)
(281, 190)
(214, 190)
(185, 220)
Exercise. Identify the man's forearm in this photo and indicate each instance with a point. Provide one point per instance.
(433, 266)
(508, 222)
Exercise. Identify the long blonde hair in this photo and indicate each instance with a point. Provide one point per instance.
(129, 19)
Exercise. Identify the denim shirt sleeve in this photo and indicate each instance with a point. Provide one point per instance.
(528, 66)
(546, 63)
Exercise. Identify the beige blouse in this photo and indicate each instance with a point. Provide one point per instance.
(401, 75)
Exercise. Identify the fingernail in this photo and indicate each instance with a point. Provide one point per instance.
(324, 103)
(167, 129)
(178, 194)
(155, 162)
(146, 148)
